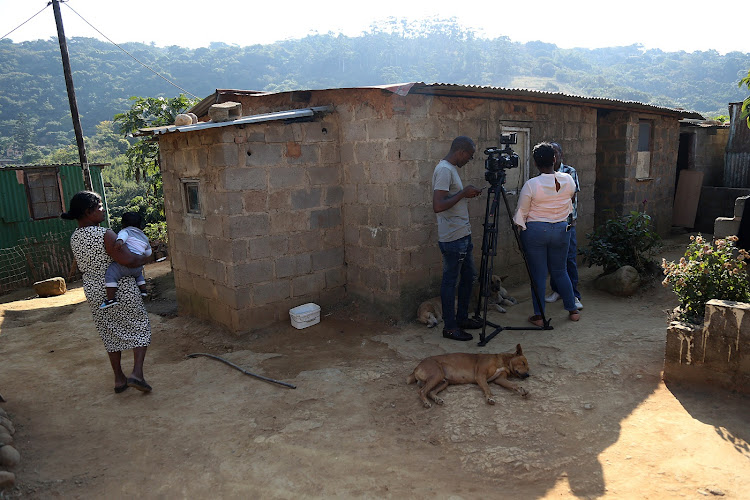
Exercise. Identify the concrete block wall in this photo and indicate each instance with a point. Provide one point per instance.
(617, 188)
(270, 235)
(710, 146)
(714, 354)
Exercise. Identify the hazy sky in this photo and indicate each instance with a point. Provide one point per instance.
(666, 24)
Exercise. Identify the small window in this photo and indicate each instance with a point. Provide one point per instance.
(643, 165)
(192, 197)
(43, 193)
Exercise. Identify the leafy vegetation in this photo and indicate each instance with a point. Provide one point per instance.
(627, 240)
(709, 270)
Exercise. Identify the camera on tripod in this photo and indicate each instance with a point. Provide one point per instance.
(498, 160)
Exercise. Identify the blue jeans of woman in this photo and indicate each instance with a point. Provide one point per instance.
(571, 264)
(458, 268)
(546, 247)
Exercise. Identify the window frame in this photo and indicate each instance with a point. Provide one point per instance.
(644, 156)
(59, 206)
(187, 184)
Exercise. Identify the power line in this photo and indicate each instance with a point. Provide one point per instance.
(26, 21)
(131, 55)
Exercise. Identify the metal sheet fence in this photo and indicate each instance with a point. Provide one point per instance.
(35, 259)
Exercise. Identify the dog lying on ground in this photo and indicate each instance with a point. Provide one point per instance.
(436, 373)
(430, 312)
(499, 297)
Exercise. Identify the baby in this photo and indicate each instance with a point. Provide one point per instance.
(137, 243)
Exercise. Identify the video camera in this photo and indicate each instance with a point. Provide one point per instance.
(500, 159)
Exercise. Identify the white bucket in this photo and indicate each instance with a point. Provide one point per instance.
(305, 315)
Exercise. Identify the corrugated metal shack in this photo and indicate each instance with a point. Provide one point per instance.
(34, 241)
(737, 159)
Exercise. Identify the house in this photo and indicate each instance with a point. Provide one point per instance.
(313, 196)
(34, 241)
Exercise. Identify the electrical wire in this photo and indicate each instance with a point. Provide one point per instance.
(26, 21)
(131, 55)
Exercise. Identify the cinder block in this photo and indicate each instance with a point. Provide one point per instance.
(225, 111)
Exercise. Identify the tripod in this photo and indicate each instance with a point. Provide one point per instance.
(489, 251)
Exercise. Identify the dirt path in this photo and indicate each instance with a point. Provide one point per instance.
(599, 421)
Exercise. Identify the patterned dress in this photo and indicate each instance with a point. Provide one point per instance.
(125, 325)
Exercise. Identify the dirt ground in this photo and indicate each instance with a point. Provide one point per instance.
(599, 422)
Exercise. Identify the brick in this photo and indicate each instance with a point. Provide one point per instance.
(248, 225)
(324, 175)
(263, 155)
(335, 278)
(326, 259)
(287, 177)
(240, 179)
(306, 198)
(255, 201)
(329, 217)
(287, 222)
(267, 246)
(334, 195)
(369, 152)
(303, 285)
(267, 293)
(256, 271)
(223, 155)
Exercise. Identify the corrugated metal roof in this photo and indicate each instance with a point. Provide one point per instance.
(476, 91)
(264, 117)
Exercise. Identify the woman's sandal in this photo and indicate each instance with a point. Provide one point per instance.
(536, 320)
(574, 315)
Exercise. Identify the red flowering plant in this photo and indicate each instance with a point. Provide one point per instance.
(709, 270)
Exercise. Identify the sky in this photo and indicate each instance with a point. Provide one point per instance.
(668, 25)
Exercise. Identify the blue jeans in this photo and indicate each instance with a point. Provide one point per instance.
(546, 247)
(572, 265)
(458, 268)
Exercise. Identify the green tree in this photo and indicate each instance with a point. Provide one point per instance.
(746, 103)
(147, 112)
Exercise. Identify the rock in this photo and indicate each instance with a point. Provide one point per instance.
(50, 287)
(225, 111)
(7, 479)
(9, 456)
(4, 422)
(182, 119)
(194, 117)
(5, 438)
(3, 413)
(624, 282)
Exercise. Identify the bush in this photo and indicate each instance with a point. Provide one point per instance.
(156, 231)
(707, 271)
(627, 240)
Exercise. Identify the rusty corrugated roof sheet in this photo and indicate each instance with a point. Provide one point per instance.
(478, 91)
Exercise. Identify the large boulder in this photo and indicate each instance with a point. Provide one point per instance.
(50, 287)
(624, 282)
(9, 456)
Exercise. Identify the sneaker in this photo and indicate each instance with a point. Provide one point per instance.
(457, 334)
(578, 303)
(470, 324)
(108, 303)
(553, 297)
(144, 294)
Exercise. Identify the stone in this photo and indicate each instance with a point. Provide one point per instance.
(624, 282)
(7, 479)
(50, 287)
(3, 413)
(183, 119)
(7, 424)
(5, 438)
(9, 456)
(193, 117)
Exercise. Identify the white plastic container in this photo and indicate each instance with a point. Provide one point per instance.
(305, 315)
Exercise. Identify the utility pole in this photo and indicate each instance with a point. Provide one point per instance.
(72, 95)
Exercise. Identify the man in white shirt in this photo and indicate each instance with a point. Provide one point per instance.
(454, 238)
(572, 264)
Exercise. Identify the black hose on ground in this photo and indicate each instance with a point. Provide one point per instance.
(195, 354)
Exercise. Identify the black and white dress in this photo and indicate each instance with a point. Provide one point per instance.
(125, 325)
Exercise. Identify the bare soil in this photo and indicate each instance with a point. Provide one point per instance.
(599, 422)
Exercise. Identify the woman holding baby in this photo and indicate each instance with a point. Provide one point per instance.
(125, 326)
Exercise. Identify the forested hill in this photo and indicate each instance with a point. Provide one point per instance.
(32, 88)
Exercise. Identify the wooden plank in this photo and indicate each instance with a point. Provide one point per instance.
(686, 198)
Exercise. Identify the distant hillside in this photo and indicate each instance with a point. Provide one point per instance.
(32, 84)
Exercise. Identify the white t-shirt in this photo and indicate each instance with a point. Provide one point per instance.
(453, 223)
(135, 240)
(540, 200)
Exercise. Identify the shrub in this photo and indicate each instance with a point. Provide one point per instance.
(156, 231)
(627, 240)
(707, 271)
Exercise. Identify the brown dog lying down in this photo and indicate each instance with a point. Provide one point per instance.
(430, 312)
(438, 372)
